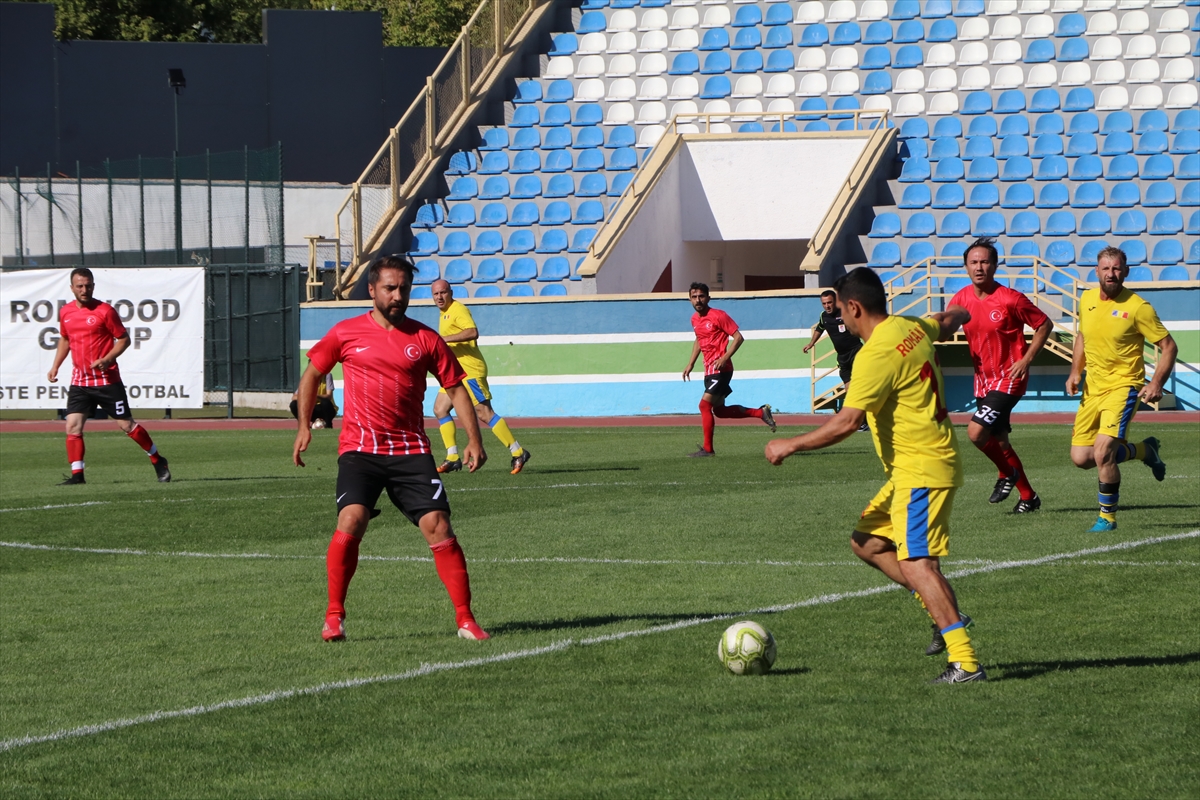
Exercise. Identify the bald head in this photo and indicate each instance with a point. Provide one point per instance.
(443, 295)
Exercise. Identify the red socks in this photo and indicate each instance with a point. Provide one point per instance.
(341, 560)
(707, 423)
(139, 435)
(1008, 463)
(452, 569)
(737, 412)
(75, 450)
(1023, 486)
(995, 452)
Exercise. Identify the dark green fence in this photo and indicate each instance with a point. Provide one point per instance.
(252, 327)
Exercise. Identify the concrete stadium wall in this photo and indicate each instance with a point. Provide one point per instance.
(567, 357)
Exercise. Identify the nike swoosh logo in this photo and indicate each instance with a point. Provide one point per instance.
(360, 349)
(1091, 308)
(340, 496)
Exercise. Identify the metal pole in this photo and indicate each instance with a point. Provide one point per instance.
(282, 237)
(79, 201)
(112, 249)
(246, 171)
(20, 226)
(228, 342)
(50, 208)
(208, 180)
(178, 208)
(142, 207)
(176, 119)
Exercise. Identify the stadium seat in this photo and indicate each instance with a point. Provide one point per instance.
(526, 139)
(426, 272)
(1060, 254)
(1167, 252)
(592, 185)
(1052, 168)
(1019, 168)
(1122, 168)
(949, 195)
(463, 189)
(585, 115)
(556, 213)
(1060, 223)
(430, 215)
(977, 103)
(1095, 223)
(905, 9)
(917, 252)
(983, 169)
(519, 243)
(1130, 223)
(944, 147)
(462, 164)
(458, 271)
(553, 290)
(885, 226)
(909, 31)
(915, 170)
(527, 186)
(979, 146)
(1157, 168)
(1013, 145)
(1040, 51)
(884, 254)
(520, 290)
(1088, 195)
(1087, 255)
(908, 56)
(1168, 222)
(461, 215)
(1190, 196)
(521, 270)
(1019, 195)
(920, 225)
(1177, 273)
(916, 195)
(1189, 167)
(1135, 252)
(685, 64)
(456, 244)
(1087, 168)
(487, 291)
(956, 224)
(589, 212)
(1082, 144)
(989, 223)
(1125, 195)
(494, 139)
(553, 241)
(489, 270)
(579, 243)
(1185, 142)
(1117, 143)
(1053, 195)
(555, 268)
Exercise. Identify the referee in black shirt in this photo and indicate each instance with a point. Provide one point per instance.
(845, 343)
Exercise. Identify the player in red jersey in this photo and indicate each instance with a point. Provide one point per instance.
(996, 336)
(93, 334)
(717, 336)
(385, 357)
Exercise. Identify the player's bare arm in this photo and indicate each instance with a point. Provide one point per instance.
(1078, 361)
(813, 341)
(735, 342)
(1153, 391)
(110, 358)
(951, 320)
(1020, 368)
(687, 371)
(841, 426)
(465, 335)
(60, 355)
(306, 398)
(473, 456)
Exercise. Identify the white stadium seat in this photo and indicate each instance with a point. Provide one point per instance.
(652, 114)
(1147, 97)
(621, 90)
(1144, 71)
(686, 40)
(840, 11)
(843, 58)
(878, 102)
(685, 88)
(783, 104)
(653, 42)
(1174, 20)
(972, 53)
(1066, 6)
(1110, 72)
(1133, 3)
(1039, 27)
(1076, 74)
(1179, 70)
(653, 19)
(1113, 98)
(622, 20)
(1006, 28)
(619, 114)
(682, 3)
(873, 10)
(1175, 45)
(911, 105)
(653, 89)
(1166, 3)
(590, 91)
(996, 8)
(1102, 24)
(943, 104)
(942, 80)
(590, 67)
(717, 107)
(1140, 47)
(591, 44)
(652, 64)
(908, 81)
(1182, 96)
(811, 58)
(748, 86)
(844, 83)
(1100, 5)
(974, 29)
(560, 67)
(1106, 49)
(1134, 22)
(974, 79)
(1041, 76)
(623, 42)
(813, 84)
(687, 127)
(751, 107)
(940, 55)
(681, 109)
(1008, 52)
(810, 12)
(1034, 6)
(715, 17)
(782, 85)
(1010, 77)
(685, 18)
(650, 135)
(621, 66)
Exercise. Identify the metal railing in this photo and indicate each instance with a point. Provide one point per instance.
(424, 131)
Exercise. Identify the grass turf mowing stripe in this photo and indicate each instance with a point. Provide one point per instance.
(554, 647)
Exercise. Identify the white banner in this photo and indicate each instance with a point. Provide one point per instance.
(163, 310)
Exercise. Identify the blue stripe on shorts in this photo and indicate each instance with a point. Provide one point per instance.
(1127, 412)
(918, 523)
(476, 390)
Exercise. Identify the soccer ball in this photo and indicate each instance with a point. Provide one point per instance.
(747, 648)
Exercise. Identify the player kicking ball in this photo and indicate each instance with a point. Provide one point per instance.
(898, 389)
(382, 446)
(94, 335)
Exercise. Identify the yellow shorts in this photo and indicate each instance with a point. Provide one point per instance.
(917, 521)
(478, 387)
(1107, 413)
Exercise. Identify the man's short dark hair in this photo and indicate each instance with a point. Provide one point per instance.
(697, 285)
(987, 243)
(829, 293)
(84, 271)
(864, 287)
(1113, 252)
(394, 261)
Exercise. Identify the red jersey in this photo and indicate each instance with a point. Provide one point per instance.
(90, 331)
(713, 331)
(383, 382)
(996, 336)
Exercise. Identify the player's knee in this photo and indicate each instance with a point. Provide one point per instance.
(864, 545)
(978, 435)
(353, 520)
(435, 526)
(1082, 457)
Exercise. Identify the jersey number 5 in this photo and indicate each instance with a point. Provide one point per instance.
(927, 374)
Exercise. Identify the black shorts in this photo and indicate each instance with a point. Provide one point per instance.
(718, 384)
(993, 411)
(412, 483)
(323, 409)
(112, 399)
(844, 370)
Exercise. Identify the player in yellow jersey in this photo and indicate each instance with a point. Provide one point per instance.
(457, 327)
(1114, 326)
(898, 389)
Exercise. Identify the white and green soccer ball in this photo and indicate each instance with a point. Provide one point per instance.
(747, 648)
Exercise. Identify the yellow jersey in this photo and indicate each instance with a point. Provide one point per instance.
(456, 319)
(898, 382)
(1114, 333)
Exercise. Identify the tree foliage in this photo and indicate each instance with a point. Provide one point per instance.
(406, 23)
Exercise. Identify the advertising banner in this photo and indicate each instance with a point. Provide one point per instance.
(162, 309)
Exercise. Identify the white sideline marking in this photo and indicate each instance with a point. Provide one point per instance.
(60, 505)
(429, 669)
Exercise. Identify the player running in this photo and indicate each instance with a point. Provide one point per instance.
(382, 446)
(996, 338)
(458, 329)
(845, 343)
(1114, 326)
(718, 337)
(94, 335)
(899, 389)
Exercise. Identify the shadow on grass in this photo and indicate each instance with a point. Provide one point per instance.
(789, 671)
(590, 622)
(1023, 670)
(232, 478)
(1123, 507)
(588, 469)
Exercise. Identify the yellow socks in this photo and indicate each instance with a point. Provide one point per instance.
(500, 428)
(448, 430)
(958, 647)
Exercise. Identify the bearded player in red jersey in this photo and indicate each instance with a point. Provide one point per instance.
(717, 336)
(996, 337)
(385, 357)
(95, 337)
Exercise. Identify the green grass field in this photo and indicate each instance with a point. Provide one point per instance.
(142, 606)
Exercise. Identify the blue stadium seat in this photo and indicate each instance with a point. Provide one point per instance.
(1013, 145)
(982, 127)
(714, 39)
(1118, 122)
(983, 169)
(780, 36)
(557, 213)
(1060, 254)
(1053, 195)
(1079, 99)
(1167, 252)
(1095, 223)
(526, 139)
(591, 22)
(1073, 50)
(592, 185)
(1191, 194)
(553, 290)
(524, 214)
(909, 56)
(558, 161)
(885, 226)
(1019, 195)
(747, 16)
(1071, 25)
(944, 30)
(1088, 195)
(424, 243)
(489, 270)
(493, 215)
(1158, 168)
(622, 159)
(621, 136)
(1041, 51)
(684, 64)
(788, 127)
(458, 271)
(525, 117)
(1130, 223)
(1052, 168)
(420, 293)
(916, 196)
(1019, 168)
(487, 291)
(520, 290)
(519, 243)
(1135, 252)
(1024, 248)
(583, 237)
(954, 249)
(1016, 125)
(527, 186)
(917, 252)
(525, 162)
(619, 184)
(430, 215)
(948, 170)
(1086, 122)
(910, 31)
(877, 83)
(944, 147)
(905, 9)
(780, 61)
(954, 225)
(715, 88)
(558, 139)
(1151, 143)
(1168, 222)
(979, 146)
(947, 126)
(1175, 273)
(494, 139)
(588, 138)
(1117, 143)
(915, 170)
(587, 114)
(487, 243)
(1010, 102)
(977, 103)
(589, 212)
(844, 103)
(936, 9)
(914, 148)
(847, 33)
(556, 116)
(529, 91)
(1025, 223)
(1122, 168)
(1087, 256)
(952, 286)
(494, 162)
(427, 271)
(462, 215)
(779, 14)
(1060, 223)
(591, 5)
(462, 164)
(914, 128)
(716, 63)
(748, 61)
(1186, 142)
(949, 195)
(555, 268)
(920, 225)
(553, 241)
(1186, 120)
(1153, 120)
(463, 189)
(879, 32)
(884, 254)
(1189, 168)
(747, 39)
(989, 223)
(984, 195)
(1159, 195)
(1193, 225)
(565, 44)
(1087, 168)
(814, 35)
(1047, 144)
(1082, 144)
(521, 269)
(456, 244)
